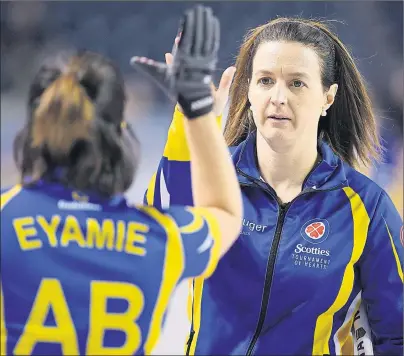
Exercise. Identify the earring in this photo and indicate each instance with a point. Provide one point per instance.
(324, 113)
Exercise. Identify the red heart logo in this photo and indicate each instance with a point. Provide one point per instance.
(315, 230)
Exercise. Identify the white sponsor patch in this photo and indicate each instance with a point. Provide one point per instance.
(196, 105)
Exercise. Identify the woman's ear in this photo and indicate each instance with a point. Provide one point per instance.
(330, 95)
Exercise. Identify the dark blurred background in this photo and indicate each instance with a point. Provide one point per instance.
(33, 30)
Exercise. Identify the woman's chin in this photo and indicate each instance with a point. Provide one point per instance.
(277, 135)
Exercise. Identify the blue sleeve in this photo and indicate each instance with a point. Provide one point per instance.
(200, 240)
(381, 276)
(170, 185)
(153, 196)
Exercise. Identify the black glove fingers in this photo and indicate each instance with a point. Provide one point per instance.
(187, 37)
(208, 23)
(188, 78)
(199, 38)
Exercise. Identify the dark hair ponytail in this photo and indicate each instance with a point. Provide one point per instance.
(350, 125)
(75, 128)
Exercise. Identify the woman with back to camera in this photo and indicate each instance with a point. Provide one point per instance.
(318, 237)
(82, 272)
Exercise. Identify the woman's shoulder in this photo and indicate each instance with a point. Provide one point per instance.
(360, 182)
(360, 179)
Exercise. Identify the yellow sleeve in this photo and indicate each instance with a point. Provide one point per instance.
(214, 231)
(200, 233)
(171, 183)
(176, 148)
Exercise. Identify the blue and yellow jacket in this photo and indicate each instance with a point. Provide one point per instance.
(81, 275)
(295, 279)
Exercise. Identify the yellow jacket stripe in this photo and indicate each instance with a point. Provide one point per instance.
(172, 272)
(9, 195)
(198, 289)
(5, 199)
(324, 323)
(398, 263)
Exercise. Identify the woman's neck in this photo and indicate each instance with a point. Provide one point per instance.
(285, 168)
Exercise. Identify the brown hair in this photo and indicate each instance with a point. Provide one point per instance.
(74, 129)
(350, 125)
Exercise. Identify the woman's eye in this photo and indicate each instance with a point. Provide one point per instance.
(297, 84)
(265, 81)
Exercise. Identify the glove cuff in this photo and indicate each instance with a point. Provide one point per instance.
(198, 107)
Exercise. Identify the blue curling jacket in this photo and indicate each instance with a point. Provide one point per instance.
(296, 278)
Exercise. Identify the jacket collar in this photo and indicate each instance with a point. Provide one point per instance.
(54, 187)
(327, 174)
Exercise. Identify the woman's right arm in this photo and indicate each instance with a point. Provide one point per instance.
(214, 185)
(171, 183)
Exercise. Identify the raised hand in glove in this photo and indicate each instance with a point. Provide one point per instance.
(188, 79)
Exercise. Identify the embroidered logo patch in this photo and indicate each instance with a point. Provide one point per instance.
(315, 231)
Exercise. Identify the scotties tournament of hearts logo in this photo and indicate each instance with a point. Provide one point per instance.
(315, 231)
